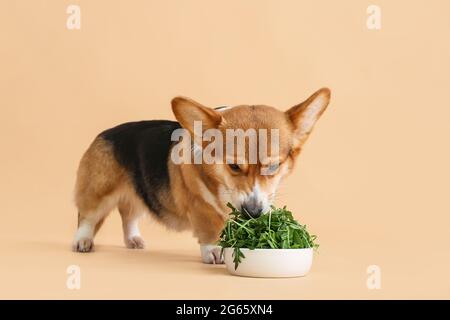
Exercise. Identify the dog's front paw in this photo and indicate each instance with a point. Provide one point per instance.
(211, 254)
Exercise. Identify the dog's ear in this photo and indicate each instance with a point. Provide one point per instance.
(187, 111)
(304, 115)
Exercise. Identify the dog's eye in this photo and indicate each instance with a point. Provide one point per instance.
(234, 167)
(272, 169)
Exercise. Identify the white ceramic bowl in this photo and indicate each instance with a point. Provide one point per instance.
(271, 263)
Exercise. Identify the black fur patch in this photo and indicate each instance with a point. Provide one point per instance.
(142, 148)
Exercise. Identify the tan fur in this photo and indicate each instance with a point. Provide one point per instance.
(204, 219)
(98, 176)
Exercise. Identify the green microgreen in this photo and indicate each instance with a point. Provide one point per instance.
(276, 229)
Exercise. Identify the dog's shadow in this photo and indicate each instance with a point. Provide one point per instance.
(171, 261)
(167, 261)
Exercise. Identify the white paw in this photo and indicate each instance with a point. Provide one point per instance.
(135, 242)
(83, 245)
(211, 254)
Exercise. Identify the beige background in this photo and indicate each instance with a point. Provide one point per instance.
(373, 181)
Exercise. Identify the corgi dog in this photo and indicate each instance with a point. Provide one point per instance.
(129, 167)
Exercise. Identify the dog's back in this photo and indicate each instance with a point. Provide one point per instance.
(142, 149)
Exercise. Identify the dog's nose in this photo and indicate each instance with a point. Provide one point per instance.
(252, 209)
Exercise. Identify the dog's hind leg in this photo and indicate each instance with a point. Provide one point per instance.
(89, 222)
(97, 191)
(131, 215)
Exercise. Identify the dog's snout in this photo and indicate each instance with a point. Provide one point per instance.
(255, 203)
(252, 209)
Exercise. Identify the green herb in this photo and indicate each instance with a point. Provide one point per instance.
(276, 229)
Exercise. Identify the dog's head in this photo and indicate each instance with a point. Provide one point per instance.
(249, 182)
